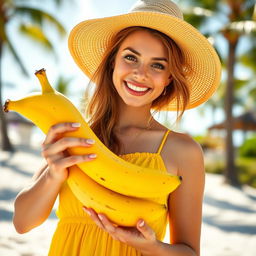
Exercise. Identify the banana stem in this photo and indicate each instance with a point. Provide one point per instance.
(5, 108)
(45, 85)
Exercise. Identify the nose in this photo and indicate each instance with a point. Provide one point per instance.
(140, 72)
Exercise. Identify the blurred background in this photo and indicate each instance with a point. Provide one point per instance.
(33, 35)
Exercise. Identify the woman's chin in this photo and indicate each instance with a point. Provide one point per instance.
(137, 104)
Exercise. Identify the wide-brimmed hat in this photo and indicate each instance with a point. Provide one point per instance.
(89, 39)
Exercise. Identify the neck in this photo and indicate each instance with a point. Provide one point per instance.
(134, 117)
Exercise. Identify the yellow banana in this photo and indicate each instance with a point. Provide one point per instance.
(122, 210)
(50, 107)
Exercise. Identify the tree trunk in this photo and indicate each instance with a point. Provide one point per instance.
(231, 176)
(5, 143)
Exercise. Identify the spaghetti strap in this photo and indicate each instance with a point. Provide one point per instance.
(163, 141)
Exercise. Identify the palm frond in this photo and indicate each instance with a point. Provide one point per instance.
(196, 16)
(248, 59)
(242, 27)
(36, 33)
(198, 11)
(38, 16)
(241, 83)
(62, 84)
(16, 57)
(253, 93)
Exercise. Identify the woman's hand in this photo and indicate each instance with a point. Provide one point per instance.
(141, 237)
(54, 150)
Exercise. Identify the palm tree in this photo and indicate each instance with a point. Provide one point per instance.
(248, 60)
(32, 27)
(240, 19)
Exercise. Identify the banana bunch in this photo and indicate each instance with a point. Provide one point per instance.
(126, 183)
(116, 206)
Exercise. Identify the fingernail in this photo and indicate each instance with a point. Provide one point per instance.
(75, 125)
(90, 141)
(92, 156)
(87, 211)
(100, 217)
(141, 224)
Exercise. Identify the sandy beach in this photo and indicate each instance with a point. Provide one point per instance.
(229, 214)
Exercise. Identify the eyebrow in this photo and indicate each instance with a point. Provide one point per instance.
(137, 53)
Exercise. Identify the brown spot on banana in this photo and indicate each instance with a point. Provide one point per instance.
(109, 207)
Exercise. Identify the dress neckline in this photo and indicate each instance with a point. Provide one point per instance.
(141, 153)
(155, 154)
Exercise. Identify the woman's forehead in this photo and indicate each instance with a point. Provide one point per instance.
(143, 41)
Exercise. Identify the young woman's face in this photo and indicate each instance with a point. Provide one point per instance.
(141, 69)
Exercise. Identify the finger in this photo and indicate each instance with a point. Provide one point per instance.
(109, 226)
(57, 129)
(64, 143)
(146, 230)
(71, 160)
(116, 233)
(94, 217)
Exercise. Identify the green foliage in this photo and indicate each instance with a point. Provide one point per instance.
(246, 168)
(31, 23)
(208, 142)
(228, 19)
(62, 85)
(38, 17)
(253, 93)
(249, 57)
(215, 167)
(197, 21)
(37, 34)
(248, 149)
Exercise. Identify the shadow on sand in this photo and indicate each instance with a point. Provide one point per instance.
(226, 205)
(15, 168)
(232, 226)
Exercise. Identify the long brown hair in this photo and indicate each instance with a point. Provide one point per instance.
(103, 110)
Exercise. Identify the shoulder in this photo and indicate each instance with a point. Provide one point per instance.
(188, 154)
(183, 142)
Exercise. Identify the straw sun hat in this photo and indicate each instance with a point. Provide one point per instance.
(89, 39)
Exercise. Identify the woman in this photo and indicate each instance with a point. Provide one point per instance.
(146, 60)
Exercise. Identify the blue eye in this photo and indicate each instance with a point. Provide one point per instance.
(158, 66)
(130, 58)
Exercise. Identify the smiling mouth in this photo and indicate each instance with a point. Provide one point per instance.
(136, 90)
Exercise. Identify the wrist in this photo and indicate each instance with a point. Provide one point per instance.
(154, 249)
(52, 178)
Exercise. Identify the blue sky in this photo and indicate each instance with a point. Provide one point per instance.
(35, 58)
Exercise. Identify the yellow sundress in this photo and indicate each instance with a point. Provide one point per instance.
(77, 234)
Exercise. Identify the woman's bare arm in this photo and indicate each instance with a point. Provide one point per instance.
(185, 203)
(34, 203)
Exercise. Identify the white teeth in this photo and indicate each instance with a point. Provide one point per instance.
(135, 88)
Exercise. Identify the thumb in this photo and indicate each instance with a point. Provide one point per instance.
(146, 230)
